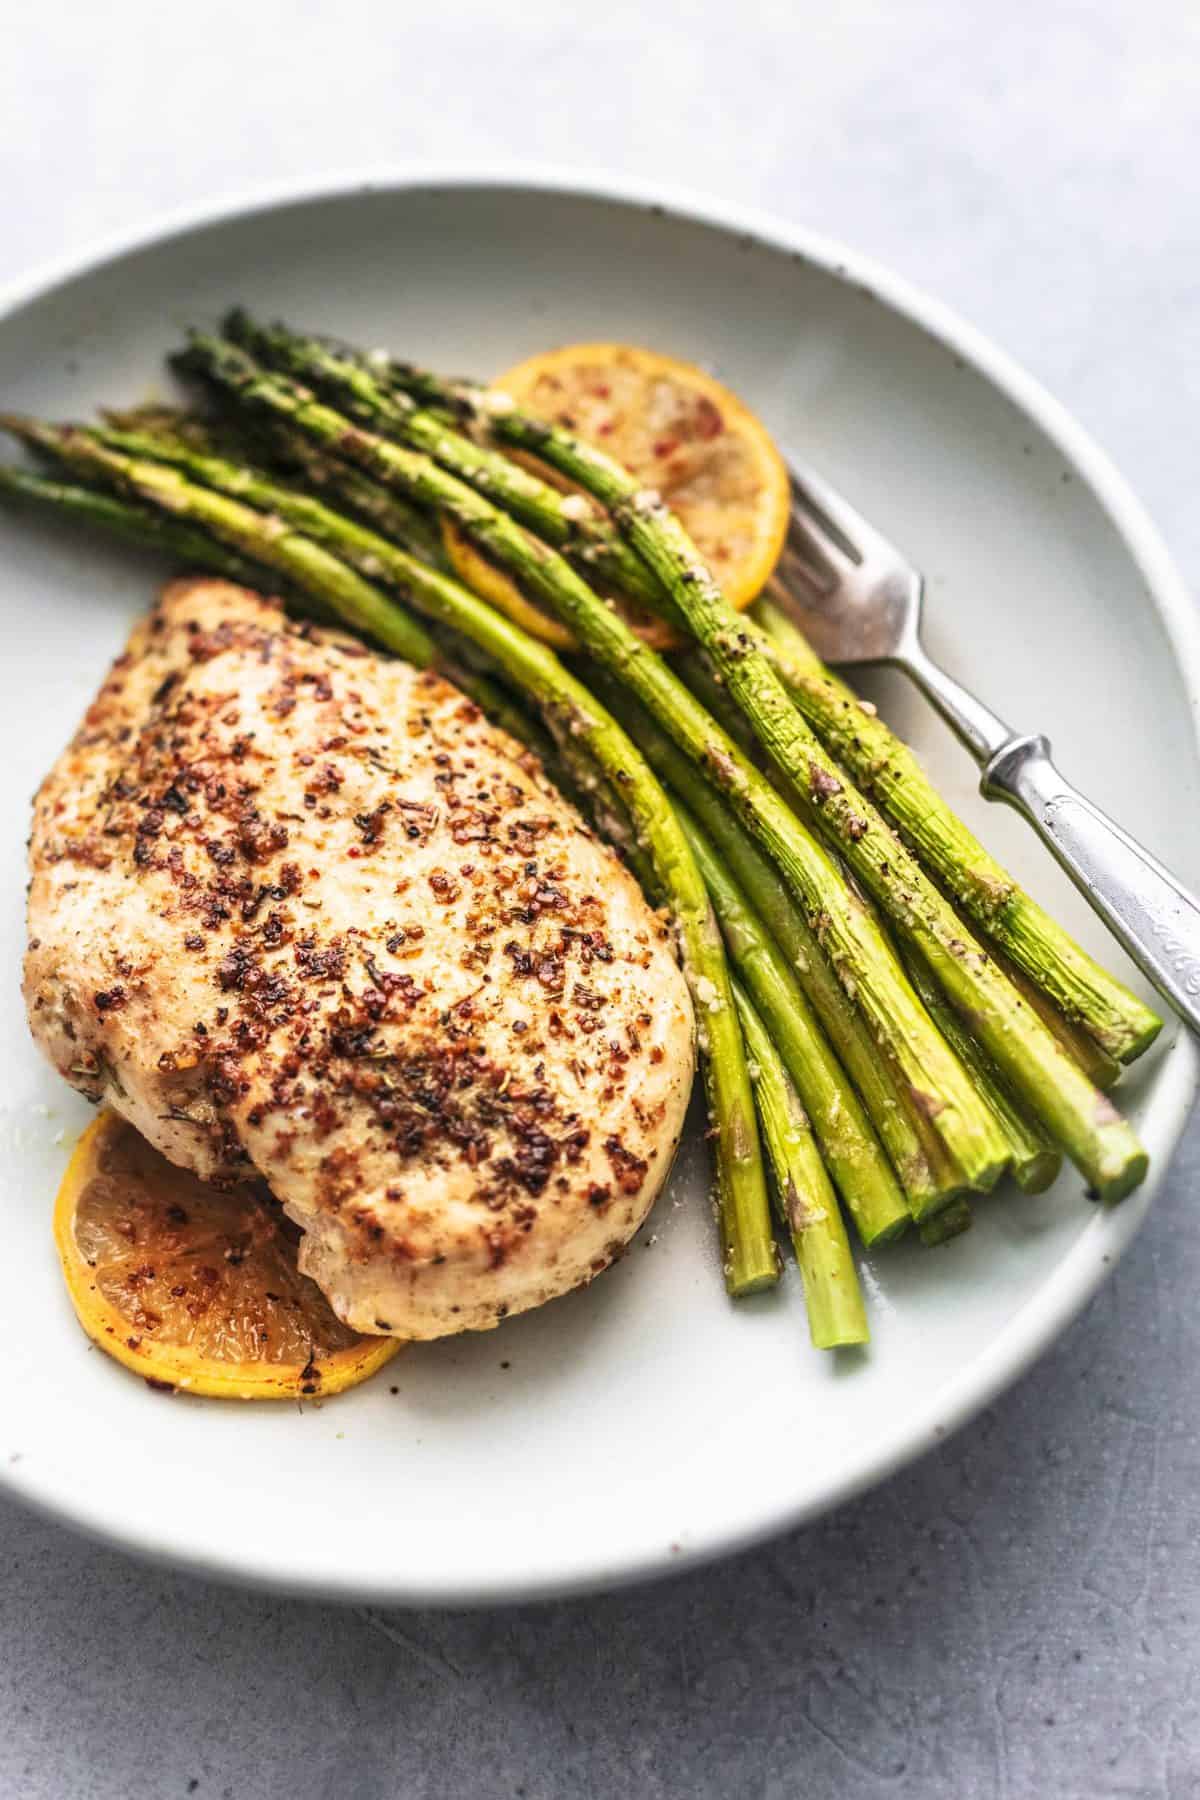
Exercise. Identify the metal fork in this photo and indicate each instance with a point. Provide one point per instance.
(857, 600)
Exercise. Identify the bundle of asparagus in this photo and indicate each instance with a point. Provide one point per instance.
(890, 1055)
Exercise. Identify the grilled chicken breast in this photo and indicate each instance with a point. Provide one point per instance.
(300, 911)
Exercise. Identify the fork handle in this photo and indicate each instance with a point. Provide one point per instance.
(1145, 907)
(983, 732)
(1152, 914)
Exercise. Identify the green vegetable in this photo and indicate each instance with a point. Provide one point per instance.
(805, 1198)
(886, 768)
(849, 1147)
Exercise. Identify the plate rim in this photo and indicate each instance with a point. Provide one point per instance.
(1047, 1314)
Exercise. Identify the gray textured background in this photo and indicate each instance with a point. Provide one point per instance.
(1017, 1615)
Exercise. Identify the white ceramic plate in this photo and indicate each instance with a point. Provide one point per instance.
(647, 1422)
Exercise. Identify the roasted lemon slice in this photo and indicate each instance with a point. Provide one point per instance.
(490, 583)
(679, 431)
(194, 1288)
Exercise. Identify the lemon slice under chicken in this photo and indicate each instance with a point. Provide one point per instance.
(195, 1287)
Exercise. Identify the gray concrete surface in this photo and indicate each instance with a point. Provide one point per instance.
(1016, 1615)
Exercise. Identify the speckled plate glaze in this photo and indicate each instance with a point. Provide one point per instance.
(646, 1423)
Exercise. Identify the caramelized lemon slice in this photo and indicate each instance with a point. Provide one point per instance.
(192, 1287)
(491, 583)
(678, 430)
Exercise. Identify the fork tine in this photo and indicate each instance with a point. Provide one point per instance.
(836, 524)
(806, 557)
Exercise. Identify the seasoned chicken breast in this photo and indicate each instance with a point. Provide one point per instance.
(302, 911)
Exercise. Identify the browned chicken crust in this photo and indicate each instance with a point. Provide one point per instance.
(299, 910)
